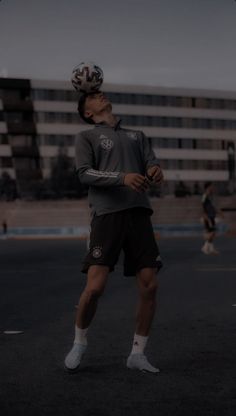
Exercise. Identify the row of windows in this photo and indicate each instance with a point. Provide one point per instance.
(140, 99)
(17, 140)
(54, 95)
(132, 120)
(179, 122)
(53, 140)
(52, 117)
(157, 142)
(154, 121)
(171, 101)
(22, 140)
(6, 162)
(194, 164)
(178, 143)
(48, 162)
(40, 140)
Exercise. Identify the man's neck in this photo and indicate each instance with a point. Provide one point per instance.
(107, 118)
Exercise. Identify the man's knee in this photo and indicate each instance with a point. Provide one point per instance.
(96, 282)
(93, 294)
(151, 289)
(148, 283)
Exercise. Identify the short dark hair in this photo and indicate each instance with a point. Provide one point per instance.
(207, 184)
(81, 108)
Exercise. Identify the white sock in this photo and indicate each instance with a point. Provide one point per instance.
(80, 335)
(139, 344)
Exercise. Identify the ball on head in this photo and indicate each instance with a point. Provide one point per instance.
(87, 77)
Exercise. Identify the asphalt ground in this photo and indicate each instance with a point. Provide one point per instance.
(192, 341)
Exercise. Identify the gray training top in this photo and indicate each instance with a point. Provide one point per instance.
(104, 155)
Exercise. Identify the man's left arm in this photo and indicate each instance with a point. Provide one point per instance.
(152, 167)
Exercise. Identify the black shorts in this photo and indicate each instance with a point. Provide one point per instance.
(210, 228)
(129, 230)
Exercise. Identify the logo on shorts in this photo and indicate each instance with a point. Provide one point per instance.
(97, 252)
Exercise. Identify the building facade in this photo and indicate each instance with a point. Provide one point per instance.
(193, 132)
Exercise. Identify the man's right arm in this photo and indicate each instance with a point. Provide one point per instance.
(85, 162)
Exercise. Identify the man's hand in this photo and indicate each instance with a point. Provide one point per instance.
(136, 181)
(155, 175)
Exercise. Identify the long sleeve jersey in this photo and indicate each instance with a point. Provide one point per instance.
(104, 155)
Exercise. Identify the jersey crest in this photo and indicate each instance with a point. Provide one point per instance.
(107, 144)
(132, 135)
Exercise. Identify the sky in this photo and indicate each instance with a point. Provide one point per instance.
(171, 43)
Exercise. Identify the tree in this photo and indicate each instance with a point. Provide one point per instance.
(64, 181)
(8, 190)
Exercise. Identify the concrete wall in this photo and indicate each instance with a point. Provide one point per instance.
(172, 216)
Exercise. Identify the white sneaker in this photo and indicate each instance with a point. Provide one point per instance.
(140, 362)
(212, 249)
(205, 249)
(73, 358)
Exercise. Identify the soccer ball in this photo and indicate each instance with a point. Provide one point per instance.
(87, 77)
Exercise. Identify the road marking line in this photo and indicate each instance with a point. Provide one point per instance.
(13, 332)
(41, 268)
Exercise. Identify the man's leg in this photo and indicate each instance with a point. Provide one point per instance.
(208, 247)
(96, 282)
(212, 249)
(205, 247)
(147, 285)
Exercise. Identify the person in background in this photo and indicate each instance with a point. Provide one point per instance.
(209, 216)
(4, 229)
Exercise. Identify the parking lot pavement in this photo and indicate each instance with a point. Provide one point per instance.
(192, 339)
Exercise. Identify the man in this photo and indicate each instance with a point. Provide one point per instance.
(117, 164)
(209, 214)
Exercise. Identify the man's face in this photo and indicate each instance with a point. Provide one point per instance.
(95, 104)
